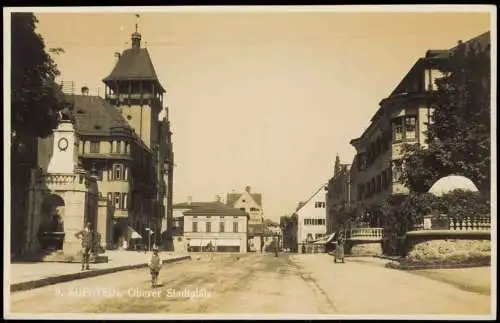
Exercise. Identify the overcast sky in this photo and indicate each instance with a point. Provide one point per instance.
(260, 99)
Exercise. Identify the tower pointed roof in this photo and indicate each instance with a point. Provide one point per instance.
(134, 64)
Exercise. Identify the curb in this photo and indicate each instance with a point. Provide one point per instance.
(392, 258)
(404, 266)
(81, 275)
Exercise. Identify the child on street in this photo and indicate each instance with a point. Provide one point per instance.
(155, 266)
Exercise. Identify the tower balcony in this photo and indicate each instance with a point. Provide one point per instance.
(133, 98)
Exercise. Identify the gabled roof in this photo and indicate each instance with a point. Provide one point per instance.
(216, 208)
(232, 198)
(134, 64)
(322, 187)
(95, 116)
(192, 205)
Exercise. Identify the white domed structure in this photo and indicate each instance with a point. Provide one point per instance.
(453, 182)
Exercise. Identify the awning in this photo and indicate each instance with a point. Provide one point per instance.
(331, 237)
(321, 241)
(132, 234)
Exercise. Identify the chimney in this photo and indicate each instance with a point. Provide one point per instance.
(117, 57)
(248, 188)
(189, 200)
(85, 90)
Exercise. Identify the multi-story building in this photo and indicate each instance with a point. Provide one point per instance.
(135, 90)
(401, 119)
(124, 140)
(251, 203)
(217, 225)
(176, 230)
(166, 177)
(338, 197)
(272, 234)
(311, 220)
(248, 202)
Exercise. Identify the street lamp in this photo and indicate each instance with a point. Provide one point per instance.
(150, 233)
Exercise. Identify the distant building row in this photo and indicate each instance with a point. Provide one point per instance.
(237, 225)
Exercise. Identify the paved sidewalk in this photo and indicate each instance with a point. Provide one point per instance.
(31, 275)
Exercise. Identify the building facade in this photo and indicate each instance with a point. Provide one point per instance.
(311, 220)
(401, 119)
(248, 202)
(251, 203)
(216, 227)
(338, 197)
(125, 139)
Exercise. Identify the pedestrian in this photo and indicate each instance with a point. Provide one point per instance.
(154, 266)
(339, 253)
(87, 243)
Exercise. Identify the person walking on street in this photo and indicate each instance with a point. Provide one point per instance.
(87, 242)
(339, 253)
(154, 266)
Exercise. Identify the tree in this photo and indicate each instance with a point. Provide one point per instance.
(35, 95)
(459, 131)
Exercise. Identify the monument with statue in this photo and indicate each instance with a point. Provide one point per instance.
(61, 200)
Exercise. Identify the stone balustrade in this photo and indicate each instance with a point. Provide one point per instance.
(374, 234)
(470, 223)
(478, 223)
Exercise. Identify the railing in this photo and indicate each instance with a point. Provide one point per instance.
(478, 223)
(145, 96)
(365, 234)
(58, 179)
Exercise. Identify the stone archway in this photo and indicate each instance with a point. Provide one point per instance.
(51, 229)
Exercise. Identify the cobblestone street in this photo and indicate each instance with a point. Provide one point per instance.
(257, 284)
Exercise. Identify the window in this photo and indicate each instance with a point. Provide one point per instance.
(110, 147)
(110, 197)
(208, 227)
(379, 183)
(124, 201)
(235, 226)
(195, 226)
(396, 171)
(94, 147)
(117, 200)
(118, 146)
(384, 179)
(242, 208)
(410, 127)
(117, 172)
(319, 205)
(397, 129)
(221, 227)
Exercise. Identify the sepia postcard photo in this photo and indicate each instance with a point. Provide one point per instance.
(250, 162)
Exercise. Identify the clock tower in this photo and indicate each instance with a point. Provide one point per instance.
(64, 155)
